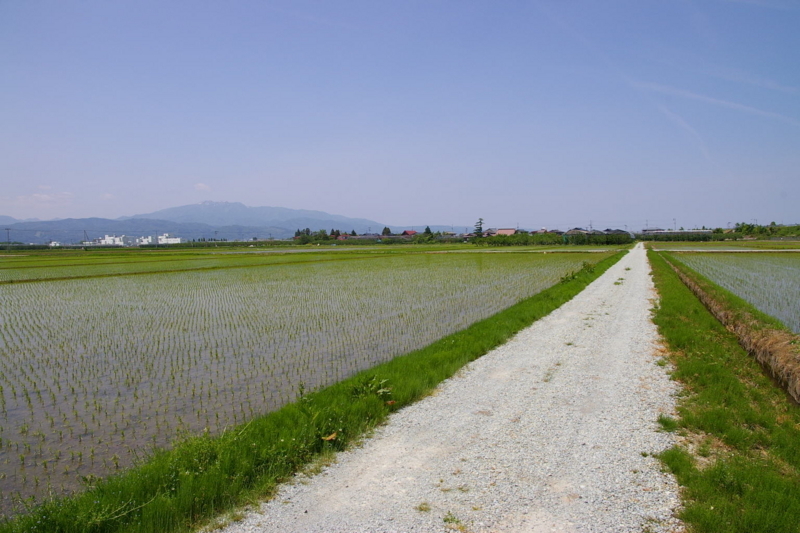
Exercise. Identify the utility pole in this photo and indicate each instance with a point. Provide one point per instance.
(674, 225)
(8, 239)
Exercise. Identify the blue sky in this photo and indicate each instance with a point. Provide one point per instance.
(535, 113)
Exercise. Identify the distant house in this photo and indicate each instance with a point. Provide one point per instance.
(409, 233)
(142, 241)
(505, 231)
(577, 231)
(545, 230)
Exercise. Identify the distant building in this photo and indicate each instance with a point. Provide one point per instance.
(166, 239)
(111, 240)
(54, 244)
(658, 231)
(143, 241)
(505, 231)
(578, 231)
(409, 233)
(545, 230)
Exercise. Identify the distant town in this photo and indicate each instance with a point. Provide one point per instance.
(124, 240)
(307, 235)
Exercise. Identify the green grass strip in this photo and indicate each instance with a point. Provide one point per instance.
(202, 477)
(739, 460)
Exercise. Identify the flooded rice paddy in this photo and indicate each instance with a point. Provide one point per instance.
(769, 281)
(96, 372)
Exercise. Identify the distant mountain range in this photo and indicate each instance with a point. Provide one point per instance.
(222, 220)
(274, 218)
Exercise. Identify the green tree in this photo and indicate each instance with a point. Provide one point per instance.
(427, 231)
(479, 228)
(386, 231)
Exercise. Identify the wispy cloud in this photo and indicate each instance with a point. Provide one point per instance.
(781, 5)
(672, 91)
(749, 79)
(201, 187)
(107, 196)
(45, 201)
(43, 187)
(693, 133)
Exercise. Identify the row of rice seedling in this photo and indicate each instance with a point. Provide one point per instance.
(770, 282)
(39, 269)
(93, 372)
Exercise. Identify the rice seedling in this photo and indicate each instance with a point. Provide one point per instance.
(770, 282)
(96, 371)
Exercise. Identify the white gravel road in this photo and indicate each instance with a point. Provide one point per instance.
(552, 431)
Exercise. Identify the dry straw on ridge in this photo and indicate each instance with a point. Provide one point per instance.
(776, 349)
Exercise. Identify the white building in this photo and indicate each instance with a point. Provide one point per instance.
(141, 241)
(54, 244)
(166, 239)
(111, 240)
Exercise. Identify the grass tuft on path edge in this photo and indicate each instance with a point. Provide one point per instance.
(739, 456)
(203, 477)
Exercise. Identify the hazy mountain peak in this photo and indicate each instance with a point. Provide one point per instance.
(238, 214)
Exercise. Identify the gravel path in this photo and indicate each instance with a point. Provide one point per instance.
(549, 432)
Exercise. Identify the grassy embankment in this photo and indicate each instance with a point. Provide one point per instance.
(739, 460)
(763, 336)
(204, 476)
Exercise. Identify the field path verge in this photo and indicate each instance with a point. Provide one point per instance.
(553, 431)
